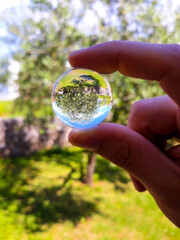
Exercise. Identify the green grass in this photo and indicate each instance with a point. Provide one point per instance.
(41, 197)
(7, 109)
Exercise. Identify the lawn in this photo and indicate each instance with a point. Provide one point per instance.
(41, 197)
(7, 109)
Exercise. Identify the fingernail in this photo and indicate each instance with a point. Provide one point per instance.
(84, 139)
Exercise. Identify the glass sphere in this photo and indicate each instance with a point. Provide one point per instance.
(81, 98)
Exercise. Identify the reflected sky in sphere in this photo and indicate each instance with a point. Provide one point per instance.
(81, 98)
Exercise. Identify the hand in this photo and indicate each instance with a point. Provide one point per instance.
(139, 147)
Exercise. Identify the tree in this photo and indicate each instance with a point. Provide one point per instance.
(4, 73)
(51, 31)
(45, 37)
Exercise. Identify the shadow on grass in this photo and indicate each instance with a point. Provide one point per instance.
(41, 205)
(110, 172)
(50, 205)
(104, 169)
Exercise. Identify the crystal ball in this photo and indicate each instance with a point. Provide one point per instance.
(81, 98)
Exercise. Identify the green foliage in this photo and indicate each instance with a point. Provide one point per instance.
(41, 197)
(75, 103)
(126, 91)
(46, 37)
(4, 73)
(50, 32)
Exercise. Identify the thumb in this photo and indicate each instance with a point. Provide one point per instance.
(129, 150)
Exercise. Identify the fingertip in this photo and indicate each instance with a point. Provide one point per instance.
(73, 57)
(70, 136)
(95, 58)
(84, 139)
(73, 135)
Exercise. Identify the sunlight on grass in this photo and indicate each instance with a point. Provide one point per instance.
(7, 110)
(41, 197)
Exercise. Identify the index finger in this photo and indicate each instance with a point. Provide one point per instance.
(160, 62)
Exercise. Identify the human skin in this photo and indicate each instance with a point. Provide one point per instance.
(139, 148)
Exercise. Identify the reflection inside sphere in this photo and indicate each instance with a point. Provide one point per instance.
(81, 98)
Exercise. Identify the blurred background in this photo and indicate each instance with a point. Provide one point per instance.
(49, 189)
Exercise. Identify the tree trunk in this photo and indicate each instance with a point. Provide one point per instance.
(90, 168)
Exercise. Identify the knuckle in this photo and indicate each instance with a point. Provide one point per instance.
(171, 53)
(137, 113)
(137, 107)
(174, 50)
